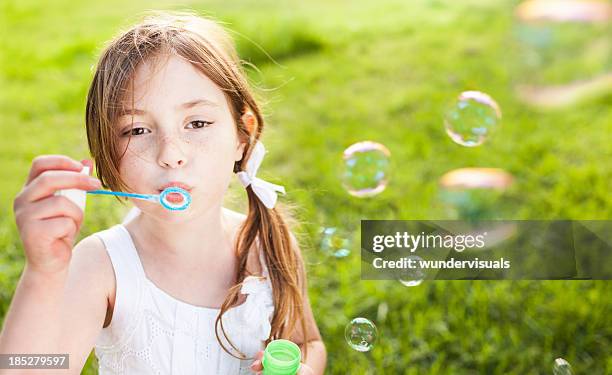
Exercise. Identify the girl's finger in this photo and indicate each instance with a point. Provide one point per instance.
(304, 369)
(48, 162)
(88, 163)
(48, 182)
(59, 227)
(257, 366)
(55, 206)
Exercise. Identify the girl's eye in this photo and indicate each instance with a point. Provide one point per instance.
(136, 131)
(198, 124)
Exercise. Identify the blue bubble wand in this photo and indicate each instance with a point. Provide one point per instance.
(157, 198)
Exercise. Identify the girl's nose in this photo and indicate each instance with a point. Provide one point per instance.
(170, 156)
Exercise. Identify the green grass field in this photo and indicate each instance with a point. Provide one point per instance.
(345, 72)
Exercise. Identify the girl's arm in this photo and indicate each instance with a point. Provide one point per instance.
(317, 354)
(316, 361)
(60, 313)
(61, 299)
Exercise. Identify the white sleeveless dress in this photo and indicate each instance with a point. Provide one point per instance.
(152, 332)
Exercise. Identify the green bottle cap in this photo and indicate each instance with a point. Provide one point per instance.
(281, 357)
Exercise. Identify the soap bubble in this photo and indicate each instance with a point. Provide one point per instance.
(475, 193)
(366, 169)
(479, 198)
(335, 242)
(563, 50)
(412, 276)
(562, 367)
(361, 334)
(472, 118)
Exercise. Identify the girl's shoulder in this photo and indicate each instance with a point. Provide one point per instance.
(91, 251)
(90, 259)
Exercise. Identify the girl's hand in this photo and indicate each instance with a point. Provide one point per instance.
(257, 367)
(48, 224)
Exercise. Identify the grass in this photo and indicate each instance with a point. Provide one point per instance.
(342, 73)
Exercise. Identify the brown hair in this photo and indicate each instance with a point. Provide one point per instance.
(209, 48)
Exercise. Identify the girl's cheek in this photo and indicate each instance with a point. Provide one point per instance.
(197, 140)
(132, 167)
(140, 150)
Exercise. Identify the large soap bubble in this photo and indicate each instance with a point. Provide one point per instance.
(564, 51)
(366, 169)
(361, 334)
(475, 193)
(472, 118)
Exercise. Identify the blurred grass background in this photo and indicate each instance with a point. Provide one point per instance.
(343, 72)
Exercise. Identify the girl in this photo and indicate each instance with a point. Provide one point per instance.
(167, 292)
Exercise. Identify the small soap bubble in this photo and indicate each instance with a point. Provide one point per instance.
(335, 242)
(361, 334)
(562, 367)
(366, 169)
(412, 276)
(472, 118)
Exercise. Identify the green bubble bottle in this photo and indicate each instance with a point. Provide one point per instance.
(281, 357)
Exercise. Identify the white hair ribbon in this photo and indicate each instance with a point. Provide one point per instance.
(265, 191)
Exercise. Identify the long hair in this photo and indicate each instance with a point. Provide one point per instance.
(209, 48)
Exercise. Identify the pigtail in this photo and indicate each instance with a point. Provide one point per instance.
(281, 253)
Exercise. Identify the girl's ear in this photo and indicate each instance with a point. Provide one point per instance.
(248, 119)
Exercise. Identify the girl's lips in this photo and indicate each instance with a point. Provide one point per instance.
(160, 190)
(174, 198)
(175, 184)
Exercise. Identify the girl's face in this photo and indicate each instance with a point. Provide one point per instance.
(182, 131)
